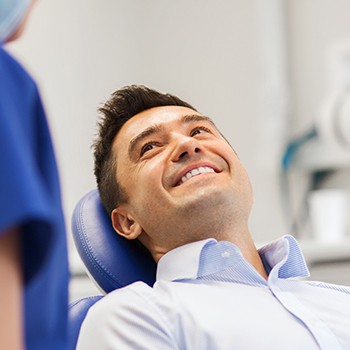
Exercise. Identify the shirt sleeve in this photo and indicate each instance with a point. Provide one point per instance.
(127, 318)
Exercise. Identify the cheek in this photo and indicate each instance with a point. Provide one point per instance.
(147, 180)
(226, 152)
(225, 148)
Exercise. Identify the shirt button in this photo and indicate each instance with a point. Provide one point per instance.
(225, 254)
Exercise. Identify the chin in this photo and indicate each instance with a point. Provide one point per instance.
(206, 199)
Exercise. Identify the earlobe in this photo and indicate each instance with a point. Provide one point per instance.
(124, 224)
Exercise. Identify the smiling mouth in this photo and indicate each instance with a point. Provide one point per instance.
(195, 172)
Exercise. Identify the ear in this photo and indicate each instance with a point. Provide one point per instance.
(124, 224)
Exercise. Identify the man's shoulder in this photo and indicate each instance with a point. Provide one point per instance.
(315, 291)
(135, 307)
(159, 299)
(132, 295)
(133, 304)
(330, 286)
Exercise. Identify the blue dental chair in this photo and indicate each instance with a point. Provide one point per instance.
(111, 261)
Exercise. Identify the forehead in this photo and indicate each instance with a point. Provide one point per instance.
(165, 116)
(160, 116)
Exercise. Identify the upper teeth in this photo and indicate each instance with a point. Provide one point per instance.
(194, 172)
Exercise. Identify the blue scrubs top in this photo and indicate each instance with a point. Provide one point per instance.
(30, 199)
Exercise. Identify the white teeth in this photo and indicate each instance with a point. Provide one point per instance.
(193, 172)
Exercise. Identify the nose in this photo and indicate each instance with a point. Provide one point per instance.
(185, 147)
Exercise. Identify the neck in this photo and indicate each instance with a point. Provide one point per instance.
(243, 240)
(251, 254)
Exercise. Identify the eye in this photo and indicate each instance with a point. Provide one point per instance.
(199, 130)
(147, 147)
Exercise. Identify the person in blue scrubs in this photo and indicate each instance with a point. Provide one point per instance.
(33, 251)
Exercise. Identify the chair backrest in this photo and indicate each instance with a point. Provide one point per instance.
(111, 260)
(76, 313)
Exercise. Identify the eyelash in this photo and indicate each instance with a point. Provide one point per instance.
(143, 149)
(154, 143)
(200, 128)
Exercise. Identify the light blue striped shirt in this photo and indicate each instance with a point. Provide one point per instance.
(207, 296)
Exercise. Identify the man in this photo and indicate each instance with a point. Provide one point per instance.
(170, 179)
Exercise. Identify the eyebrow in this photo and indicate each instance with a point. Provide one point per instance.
(157, 128)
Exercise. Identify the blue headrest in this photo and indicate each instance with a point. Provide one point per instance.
(111, 260)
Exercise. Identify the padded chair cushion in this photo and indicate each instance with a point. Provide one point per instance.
(111, 260)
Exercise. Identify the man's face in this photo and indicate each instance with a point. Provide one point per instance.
(179, 174)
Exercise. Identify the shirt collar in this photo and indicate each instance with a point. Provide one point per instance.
(282, 259)
(181, 262)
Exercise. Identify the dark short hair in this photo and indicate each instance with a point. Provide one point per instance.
(122, 105)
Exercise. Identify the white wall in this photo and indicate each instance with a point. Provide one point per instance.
(226, 57)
